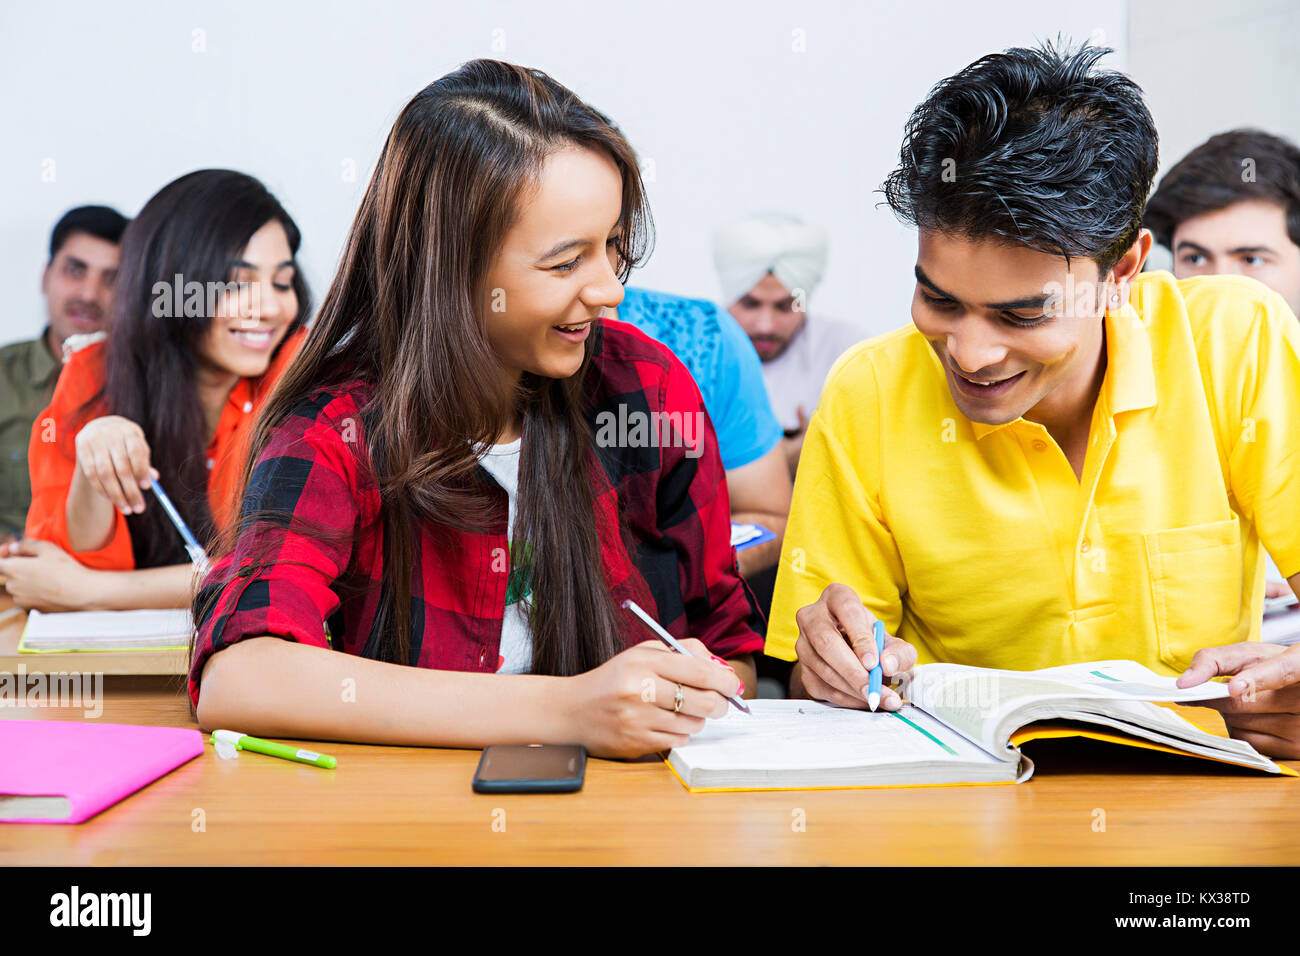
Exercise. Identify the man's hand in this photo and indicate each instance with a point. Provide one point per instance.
(1264, 709)
(837, 649)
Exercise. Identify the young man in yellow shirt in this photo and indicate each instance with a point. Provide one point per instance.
(1061, 459)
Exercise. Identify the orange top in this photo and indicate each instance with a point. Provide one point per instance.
(52, 452)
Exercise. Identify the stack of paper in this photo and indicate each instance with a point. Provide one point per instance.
(106, 631)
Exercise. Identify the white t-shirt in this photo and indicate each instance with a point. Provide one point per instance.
(796, 376)
(516, 652)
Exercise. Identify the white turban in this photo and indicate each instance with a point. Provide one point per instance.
(747, 249)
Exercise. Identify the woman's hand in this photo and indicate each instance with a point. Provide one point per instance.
(113, 459)
(837, 649)
(625, 707)
(43, 576)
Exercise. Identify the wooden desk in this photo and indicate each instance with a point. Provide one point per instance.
(12, 621)
(414, 806)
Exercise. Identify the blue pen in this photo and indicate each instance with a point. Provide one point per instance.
(877, 672)
(192, 547)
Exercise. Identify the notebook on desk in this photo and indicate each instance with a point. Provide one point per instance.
(63, 771)
(959, 725)
(106, 631)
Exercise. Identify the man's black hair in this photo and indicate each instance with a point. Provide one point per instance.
(1232, 167)
(102, 222)
(1033, 146)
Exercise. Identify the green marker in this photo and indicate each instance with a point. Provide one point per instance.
(271, 749)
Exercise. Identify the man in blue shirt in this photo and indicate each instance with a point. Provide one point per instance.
(721, 359)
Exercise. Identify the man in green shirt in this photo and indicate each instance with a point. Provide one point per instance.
(78, 287)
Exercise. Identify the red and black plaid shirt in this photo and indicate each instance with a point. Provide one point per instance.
(292, 579)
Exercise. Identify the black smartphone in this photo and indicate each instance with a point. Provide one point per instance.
(534, 768)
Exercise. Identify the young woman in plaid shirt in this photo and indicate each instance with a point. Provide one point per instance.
(475, 601)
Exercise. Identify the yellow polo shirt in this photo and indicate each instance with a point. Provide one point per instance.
(977, 543)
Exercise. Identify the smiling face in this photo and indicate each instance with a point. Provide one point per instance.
(253, 318)
(554, 273)
(78, 285)
(1246, 238)
(1012, 316)
(769, 315)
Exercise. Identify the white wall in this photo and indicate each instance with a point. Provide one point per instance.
(123, 101)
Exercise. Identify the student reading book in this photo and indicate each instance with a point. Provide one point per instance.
(1062, 458)
(426, 477)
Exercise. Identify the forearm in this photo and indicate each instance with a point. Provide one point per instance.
(277, 688)
(168, 587)
(760, 557)
(89, 514)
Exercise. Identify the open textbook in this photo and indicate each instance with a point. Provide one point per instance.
(958, 725)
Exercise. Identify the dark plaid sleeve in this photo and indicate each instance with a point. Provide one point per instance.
(694, 512)
(278, 578)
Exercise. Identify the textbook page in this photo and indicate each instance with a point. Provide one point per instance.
(1163, 726)
(807, 735)
(987, 705)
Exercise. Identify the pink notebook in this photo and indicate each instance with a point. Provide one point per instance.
(57, 771)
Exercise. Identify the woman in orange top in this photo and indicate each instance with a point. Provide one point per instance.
(208, 311)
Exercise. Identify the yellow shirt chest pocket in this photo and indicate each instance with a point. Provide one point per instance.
(1196, 588)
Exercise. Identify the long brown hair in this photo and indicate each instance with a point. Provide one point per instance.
(195, 227)
(403, 313)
